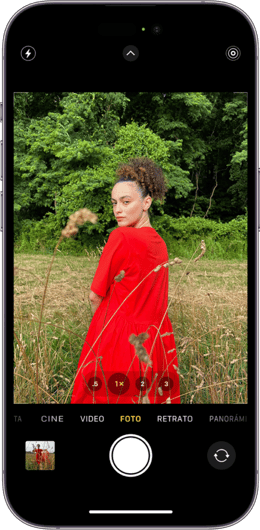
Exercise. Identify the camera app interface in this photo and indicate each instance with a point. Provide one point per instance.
(130, 250)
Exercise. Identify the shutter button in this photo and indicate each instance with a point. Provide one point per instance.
(130, 455)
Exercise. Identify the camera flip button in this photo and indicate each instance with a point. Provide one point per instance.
(221, 455)
(130, 455)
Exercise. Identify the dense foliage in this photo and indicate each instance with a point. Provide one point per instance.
(67, 147)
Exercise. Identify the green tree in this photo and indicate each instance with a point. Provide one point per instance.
(67, 147)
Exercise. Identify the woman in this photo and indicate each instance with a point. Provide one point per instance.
(38, 456)
(129, 355)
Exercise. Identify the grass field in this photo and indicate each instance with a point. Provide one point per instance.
(208, 311)
(31, 464)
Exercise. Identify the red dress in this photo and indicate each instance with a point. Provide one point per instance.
(109, 370)
(38, 456)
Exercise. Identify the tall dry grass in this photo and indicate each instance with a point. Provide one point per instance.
(31, 463)
(207, 308)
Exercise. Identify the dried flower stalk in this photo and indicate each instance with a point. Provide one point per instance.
(82, 216)
(78, 218)
(139, 348)
(176, 261)
(120, 276)
(203, 248)
(69, 230)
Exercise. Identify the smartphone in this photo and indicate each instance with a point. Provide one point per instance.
(130, 264)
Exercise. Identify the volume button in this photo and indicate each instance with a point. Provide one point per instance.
(1, 212)
(1, 161)
(1, 111)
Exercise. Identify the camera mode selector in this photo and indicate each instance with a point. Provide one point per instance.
(130, 455)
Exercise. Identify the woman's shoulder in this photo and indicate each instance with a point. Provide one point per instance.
(146, 234)
(138, 234)
(135, 232)
(116, 238)
(117, 232)
(122, 232)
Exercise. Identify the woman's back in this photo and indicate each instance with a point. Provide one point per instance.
(143, 250)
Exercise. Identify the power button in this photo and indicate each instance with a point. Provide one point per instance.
(258, 199)
(1, 145)
(1, 194)
(1, 170)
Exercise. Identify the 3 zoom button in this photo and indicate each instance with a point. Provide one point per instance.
(221, 455)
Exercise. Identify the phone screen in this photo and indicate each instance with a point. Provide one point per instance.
(130, 262)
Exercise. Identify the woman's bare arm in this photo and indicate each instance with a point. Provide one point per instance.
(95, 301)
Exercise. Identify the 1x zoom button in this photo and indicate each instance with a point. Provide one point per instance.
(130, 455)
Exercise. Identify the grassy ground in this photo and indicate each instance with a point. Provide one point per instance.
(207, 309)
(31, 464)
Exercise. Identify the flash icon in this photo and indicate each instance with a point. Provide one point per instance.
(28, 53)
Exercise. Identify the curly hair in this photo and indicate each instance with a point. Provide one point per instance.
(146, 174)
